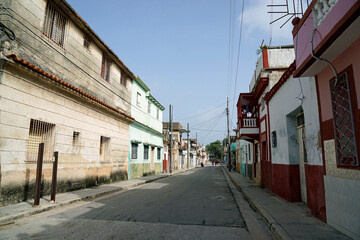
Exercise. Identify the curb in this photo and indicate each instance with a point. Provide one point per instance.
(8, 220)
(272, 224)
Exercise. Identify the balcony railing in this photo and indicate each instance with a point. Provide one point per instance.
(321, 9)
(249, 122)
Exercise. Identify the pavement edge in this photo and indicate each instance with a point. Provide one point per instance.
(272, 224)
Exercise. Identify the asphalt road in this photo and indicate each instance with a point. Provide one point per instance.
(197, 204)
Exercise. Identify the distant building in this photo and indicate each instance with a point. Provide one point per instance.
(146, 135)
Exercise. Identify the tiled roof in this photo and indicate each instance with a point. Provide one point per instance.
(65, 84)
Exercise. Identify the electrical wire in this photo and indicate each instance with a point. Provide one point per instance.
(238, 56)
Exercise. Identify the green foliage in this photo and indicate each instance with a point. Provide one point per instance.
(259, 50)
(215, 148)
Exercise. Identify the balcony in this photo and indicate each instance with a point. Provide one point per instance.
(248, 128)
(334, 25)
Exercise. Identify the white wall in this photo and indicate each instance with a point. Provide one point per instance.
(281, 106)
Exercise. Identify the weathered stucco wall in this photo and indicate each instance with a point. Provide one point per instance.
(72, 62)
(283, 108)
(25, 96)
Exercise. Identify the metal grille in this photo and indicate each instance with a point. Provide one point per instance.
(40, 132)
(104, 148)
(134, 150)
(146, 152)
(54, 25)
(76, 140)
(345, 142)
(105, 68)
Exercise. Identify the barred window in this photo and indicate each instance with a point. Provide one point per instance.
(104, 148)
(345, 142)
(105, 68)
(158, 153)
(40, 132)
(146, 152)
(54, 24)
(134, 150)
(76, 140)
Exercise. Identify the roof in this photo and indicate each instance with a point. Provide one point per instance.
(84, 26)
(155, 102)
(141, 83)
(65, 84)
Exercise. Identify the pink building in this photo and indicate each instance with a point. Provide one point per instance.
(327, 46)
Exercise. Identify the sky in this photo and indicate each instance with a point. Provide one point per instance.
(186, 52)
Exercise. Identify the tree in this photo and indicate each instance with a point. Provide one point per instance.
(215, 148)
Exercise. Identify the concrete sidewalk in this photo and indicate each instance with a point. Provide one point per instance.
(10, 213)
(288, 220)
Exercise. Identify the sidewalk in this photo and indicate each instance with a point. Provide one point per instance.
(10, 213)
(287, 220)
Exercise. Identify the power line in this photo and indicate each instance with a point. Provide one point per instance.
(201, 113)
(238, 56)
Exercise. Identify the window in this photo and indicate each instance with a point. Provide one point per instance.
(146, 152)
(54, 24)
(134, 150)
(40, 132)
(345, 142)
(158, 153)
(273, 139)
(138, 96)
(87, 42)
(104, 148)
(149, 107)
(76, 139)
(157, 113)
(105, 68)
(123, 78)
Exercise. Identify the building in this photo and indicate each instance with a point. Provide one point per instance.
(146, 135)
(253, 121)
(294, 137)
(178, 157)
(63, 86)
(327, 46)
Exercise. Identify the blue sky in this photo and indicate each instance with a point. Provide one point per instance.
(180, 49)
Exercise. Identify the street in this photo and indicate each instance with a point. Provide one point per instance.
(197, 204)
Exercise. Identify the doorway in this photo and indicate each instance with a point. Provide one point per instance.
(300, 121)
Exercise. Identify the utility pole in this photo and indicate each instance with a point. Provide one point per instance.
(170, 137)
(188, 147)
(228, 147)
(196, 158)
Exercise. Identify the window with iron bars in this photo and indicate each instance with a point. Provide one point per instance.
(105, 68)
(104, 148)
(146, 152)
(54, 24)
(40, 132)
(345, 142)
(134, 150)
(76, 141)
